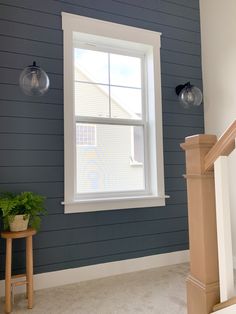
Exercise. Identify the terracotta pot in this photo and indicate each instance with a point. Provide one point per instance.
(19, 223)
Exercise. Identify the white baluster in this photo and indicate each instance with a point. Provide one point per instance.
(224, 229)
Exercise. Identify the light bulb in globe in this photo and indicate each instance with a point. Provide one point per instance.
(34, 80)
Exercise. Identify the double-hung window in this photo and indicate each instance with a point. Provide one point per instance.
(112, 116)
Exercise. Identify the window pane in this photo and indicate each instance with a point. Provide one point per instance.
(126, 103)
(91, 66)
(108, 167)
(86, 134)
(91, 100)
(125, 70)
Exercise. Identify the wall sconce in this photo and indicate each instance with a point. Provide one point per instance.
(34, 80)
(189, 95)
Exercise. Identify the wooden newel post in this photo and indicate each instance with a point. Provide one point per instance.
(203, 281)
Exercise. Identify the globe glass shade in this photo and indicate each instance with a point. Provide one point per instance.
(34, 81)
(190, 96)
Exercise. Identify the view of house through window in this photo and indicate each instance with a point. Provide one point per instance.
(108, 95)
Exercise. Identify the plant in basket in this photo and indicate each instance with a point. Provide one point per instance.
(20, 210)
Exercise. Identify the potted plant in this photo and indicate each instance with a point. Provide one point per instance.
(20, 210)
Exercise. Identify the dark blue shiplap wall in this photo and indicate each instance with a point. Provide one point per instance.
(31, 130)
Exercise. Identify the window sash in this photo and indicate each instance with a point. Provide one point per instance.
(119, 121)
(115, 121)
(146, 170)
(123, 52)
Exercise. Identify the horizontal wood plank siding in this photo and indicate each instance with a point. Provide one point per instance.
(31, 131)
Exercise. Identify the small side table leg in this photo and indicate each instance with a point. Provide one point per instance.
(8, 276)
(29, 270)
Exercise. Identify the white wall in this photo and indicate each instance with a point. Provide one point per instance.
(218, 31)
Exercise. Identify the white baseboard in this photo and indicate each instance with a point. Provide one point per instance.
(75, 275)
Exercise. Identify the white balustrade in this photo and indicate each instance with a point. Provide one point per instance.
(224, 237)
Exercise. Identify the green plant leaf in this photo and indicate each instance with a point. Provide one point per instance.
(25, 203)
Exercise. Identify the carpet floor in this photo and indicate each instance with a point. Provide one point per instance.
(160, 291)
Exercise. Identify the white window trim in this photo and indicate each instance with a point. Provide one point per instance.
(139, 40)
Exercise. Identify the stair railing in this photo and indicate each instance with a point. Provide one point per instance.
(210, 285)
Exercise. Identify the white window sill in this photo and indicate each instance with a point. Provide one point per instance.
(115, 203)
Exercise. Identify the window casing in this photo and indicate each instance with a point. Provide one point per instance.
(91, 192)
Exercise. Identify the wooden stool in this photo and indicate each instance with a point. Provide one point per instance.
(9, 236)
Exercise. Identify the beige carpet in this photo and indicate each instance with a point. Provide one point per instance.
(159, 291)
